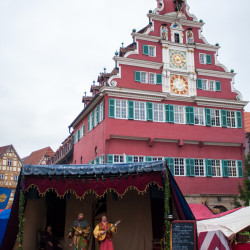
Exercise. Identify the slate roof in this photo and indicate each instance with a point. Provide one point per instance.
(107, 169)
(36, 156)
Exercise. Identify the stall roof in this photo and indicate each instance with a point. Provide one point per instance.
(107, 169)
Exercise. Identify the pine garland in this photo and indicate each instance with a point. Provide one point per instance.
(21, 214)
(167, 211)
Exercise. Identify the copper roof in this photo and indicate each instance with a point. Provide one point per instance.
(36, 156)
(247, 121)
(3, 149)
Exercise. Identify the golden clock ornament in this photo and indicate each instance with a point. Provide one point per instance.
(179, 85)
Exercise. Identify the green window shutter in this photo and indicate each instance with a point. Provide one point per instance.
(89, 123)
(171, 113)
(93, 162)
(192, 172)
(103, 109)
(167, 112)
(158, 79)
(224, 118)
(83, 129)
(209, 59)
(188, 167)
(218, 86)
(187, 115)
(149, 158)
(131, 110)
(145, 50)
(110, 158)
(79, 134)
(239, 119)
(97, 114)
(93, 118)
(111, 108)
(103, 159)
(129, 158)
(240, 169)
(199, 83)
(171, 165)
(209, 168)
(149, 111)
(208, 116)
(225, 168)
(97, 160)
(74, 139)
(191, 115)
(137, 76)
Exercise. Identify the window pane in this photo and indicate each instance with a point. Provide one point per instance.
(143, 77)
(179, 114)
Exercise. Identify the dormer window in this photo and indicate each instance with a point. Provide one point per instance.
(149, 50)
(176, 33)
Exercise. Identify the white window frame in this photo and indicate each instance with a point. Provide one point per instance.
(140, 111)
(139, 159)
(1, 176)
(216, 168)
(121, 109)
(204, 56)
(213, 84)
(16, 177)
(119, 159)
(231, 119)
(9, 162)
(95, 117)
(152, 48)
(199, 113)
(152, 76)
(179, 114)
(179, 167)
(216, 117)
(101, 113)
(199, 167)
(232, 168)
(158, 112)
(156, 158)
(204, 84)
(146, 77)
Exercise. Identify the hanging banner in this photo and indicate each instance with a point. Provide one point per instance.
(4, 197)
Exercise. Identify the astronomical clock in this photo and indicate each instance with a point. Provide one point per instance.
(178, 59)
(179, 85)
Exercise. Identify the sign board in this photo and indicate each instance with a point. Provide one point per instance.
(183, 235)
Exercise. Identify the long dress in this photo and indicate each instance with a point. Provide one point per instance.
(106, 244)
(80, 241)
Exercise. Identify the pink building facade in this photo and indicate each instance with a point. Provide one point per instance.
(169, 98)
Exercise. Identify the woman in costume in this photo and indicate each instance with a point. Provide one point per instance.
(80, 231)
(99, 232)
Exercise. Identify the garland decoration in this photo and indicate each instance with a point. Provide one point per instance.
(167, 210)
(21, 214)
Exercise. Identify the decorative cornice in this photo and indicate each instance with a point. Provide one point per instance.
(172, 18)
(146, 37)
(213, 73)
(208, 47)
(138, 63)
(166, 140)
(221, 103)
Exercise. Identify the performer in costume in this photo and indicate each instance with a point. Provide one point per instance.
(49, 241)
(107, 243)
(80, 231)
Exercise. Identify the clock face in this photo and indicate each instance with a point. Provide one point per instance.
(178, 59)
(179, 85)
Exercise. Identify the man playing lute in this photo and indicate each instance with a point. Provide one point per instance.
(104, 233)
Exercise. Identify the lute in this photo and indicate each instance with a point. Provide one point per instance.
(103, 236)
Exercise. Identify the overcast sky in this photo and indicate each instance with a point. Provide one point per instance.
(52, 50)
